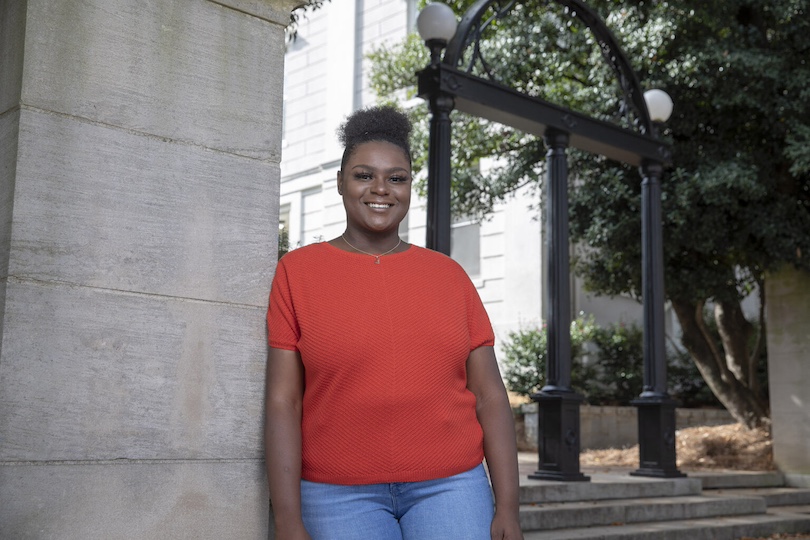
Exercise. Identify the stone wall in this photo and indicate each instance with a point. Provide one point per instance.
(617, 427)
(788, 316)
(139, 151)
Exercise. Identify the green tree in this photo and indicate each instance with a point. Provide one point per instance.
(307, 6)
(736, 200)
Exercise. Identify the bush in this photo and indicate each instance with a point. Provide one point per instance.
(686, 384)
(611, 373)
(620, 357)
(525, 355)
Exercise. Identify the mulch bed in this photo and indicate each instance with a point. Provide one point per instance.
(725, 447)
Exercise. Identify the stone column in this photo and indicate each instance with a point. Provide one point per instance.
(787, 293)
(139, 154)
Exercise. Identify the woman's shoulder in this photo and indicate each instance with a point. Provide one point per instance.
(433, 256)
(305, 253)
(305, 258)
(436, 260)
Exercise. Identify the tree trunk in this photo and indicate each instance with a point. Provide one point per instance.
(735, 332)
(713, 364)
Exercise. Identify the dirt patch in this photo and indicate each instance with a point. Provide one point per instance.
(729, 447)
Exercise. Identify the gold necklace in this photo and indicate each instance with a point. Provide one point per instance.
(376, 257)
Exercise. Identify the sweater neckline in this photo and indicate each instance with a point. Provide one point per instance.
(411, 249)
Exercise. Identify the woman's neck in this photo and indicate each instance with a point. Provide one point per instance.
(369, 243)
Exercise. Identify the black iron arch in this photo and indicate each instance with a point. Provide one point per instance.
(473, 24)
(448, 85)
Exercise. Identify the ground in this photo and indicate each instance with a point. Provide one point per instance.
(730, 446)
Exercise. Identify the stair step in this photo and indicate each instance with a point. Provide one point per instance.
(740, 479)
(798, 509)
(638, 510)
(606, 487)
(779, 496)
(716, 528)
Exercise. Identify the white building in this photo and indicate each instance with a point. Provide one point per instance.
(326, 78)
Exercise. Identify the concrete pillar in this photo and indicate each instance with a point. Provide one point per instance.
(139, 154)
(788, 316)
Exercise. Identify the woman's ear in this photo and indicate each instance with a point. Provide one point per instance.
(340, 182)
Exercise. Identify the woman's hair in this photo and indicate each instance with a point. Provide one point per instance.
(375, 124)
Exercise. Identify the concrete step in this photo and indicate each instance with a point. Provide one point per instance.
(795, 509)
(606, 487)
(739, 479)
(725, 505)
(774, 497)
(611, 512)
(715, 528)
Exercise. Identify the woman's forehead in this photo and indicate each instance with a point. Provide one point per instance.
(375, 152)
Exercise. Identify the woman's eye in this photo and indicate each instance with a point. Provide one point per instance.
(363, 176)
(399, 179)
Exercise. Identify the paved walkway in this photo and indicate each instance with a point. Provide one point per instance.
(527, 464)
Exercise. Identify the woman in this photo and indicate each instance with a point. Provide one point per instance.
(383, 392)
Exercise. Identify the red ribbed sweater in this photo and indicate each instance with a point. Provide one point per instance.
(384, 348)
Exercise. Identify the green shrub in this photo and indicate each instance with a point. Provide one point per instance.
(686, 384)
(619, 365)
(525, 355)
(607, 365)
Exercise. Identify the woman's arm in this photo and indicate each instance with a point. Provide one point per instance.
(500, 445)
(282, 441)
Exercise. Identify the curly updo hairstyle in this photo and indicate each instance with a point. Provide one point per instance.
(382, 123)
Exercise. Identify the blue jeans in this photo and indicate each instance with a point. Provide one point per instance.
(456, 508)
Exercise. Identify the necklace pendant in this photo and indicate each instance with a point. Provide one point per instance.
(378, 260)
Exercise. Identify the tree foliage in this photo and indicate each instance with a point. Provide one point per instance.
(736, 200)
(299, 13)
(606, 364)
(525, 356)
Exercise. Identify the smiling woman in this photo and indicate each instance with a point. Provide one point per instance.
(374, 180)
(376, 189)
(383, 391)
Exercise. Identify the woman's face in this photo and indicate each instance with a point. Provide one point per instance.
(376, 187)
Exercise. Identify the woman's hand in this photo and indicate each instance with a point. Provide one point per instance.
(505, 528)
(297, 532)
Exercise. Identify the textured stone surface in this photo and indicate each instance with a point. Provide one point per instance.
(788, 294)
(93, 374)
(277, 11)
(192, 71)
(143, 501)
(139, 205)
(617, 427)
(12, 35)
(104, 207)
(9, 123)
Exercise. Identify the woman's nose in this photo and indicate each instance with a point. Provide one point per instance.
(379, 185)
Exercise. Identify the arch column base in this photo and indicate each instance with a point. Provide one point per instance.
(656, 437)
(558, 439)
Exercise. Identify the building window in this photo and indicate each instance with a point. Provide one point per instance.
(283, 123)
(411, 14)
(283, 230)
(311, 216)
(465, 245)
(404, 229)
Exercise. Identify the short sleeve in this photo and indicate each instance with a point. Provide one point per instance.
(481, 333)
(282, 324)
